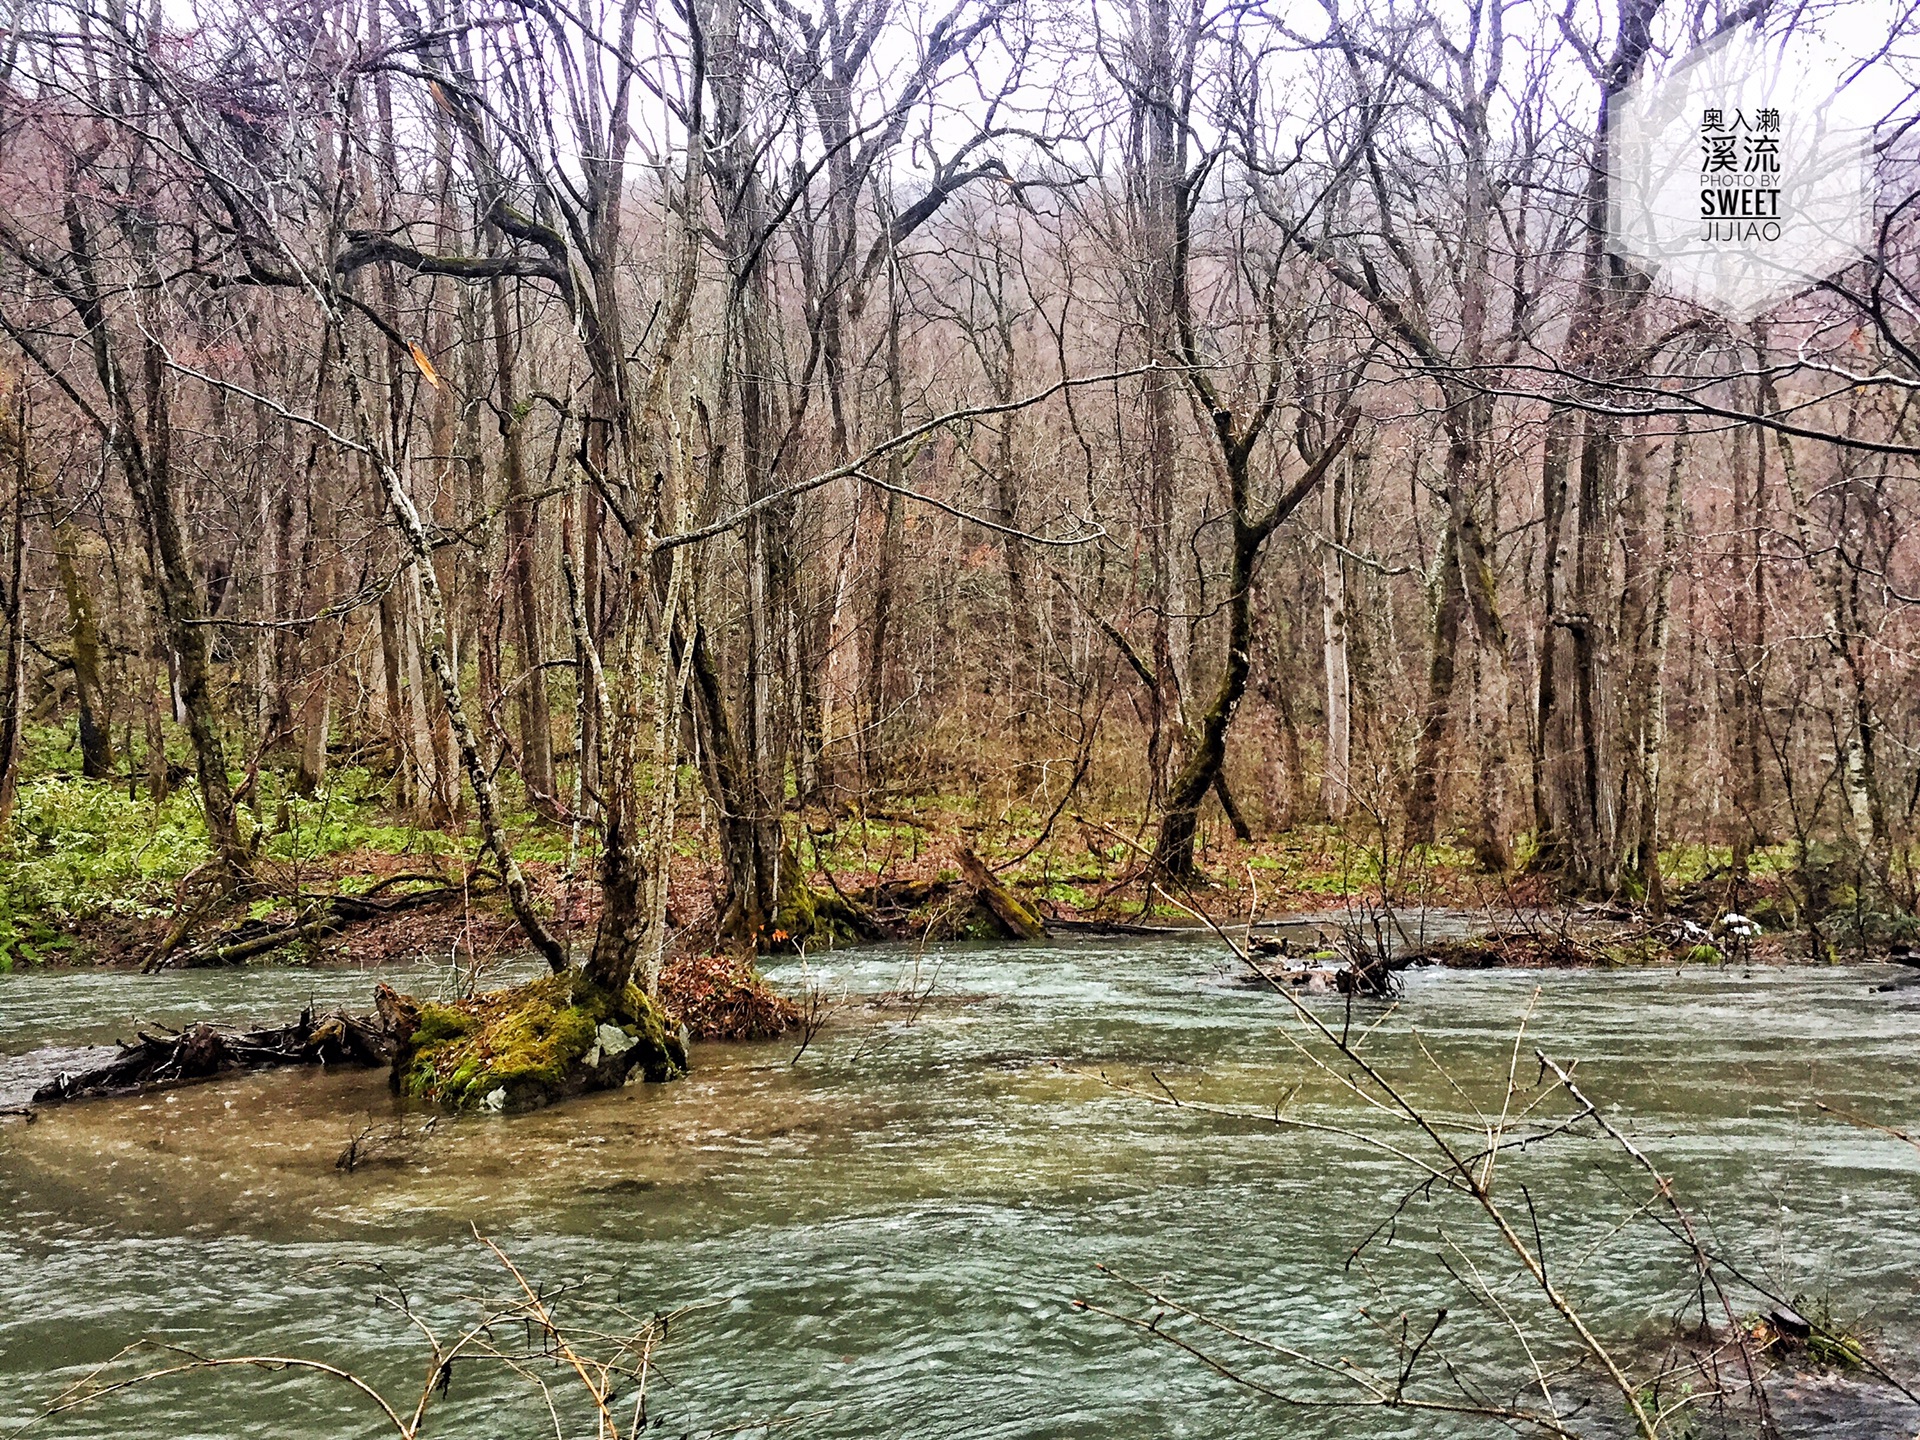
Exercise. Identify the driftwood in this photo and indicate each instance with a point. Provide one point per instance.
(163, 1058)
(319, 918)
(393, 1143)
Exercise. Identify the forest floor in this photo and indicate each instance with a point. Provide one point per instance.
(95, 872)
(90, 874)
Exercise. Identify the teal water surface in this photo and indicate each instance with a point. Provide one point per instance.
(889, 1233)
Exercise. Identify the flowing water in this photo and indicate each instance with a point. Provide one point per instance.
(889, 1233)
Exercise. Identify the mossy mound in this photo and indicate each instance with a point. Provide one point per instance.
(528, 1046)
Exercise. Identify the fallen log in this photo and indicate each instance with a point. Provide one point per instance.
(895, 900)
(1117, 928)
(970, 905)
(1012, 913)
(162, 1058)
(320, 918)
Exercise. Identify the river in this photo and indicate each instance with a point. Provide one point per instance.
(889, 1233)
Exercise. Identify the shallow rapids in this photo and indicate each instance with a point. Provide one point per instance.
(891, 1230)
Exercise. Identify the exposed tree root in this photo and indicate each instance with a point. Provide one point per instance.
(973, 906)
(530, 1045)
(821, 919)
(165, 1058)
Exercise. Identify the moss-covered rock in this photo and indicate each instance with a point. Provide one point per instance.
(528, 1046)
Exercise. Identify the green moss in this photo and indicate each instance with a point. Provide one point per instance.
(526, 1047)
(440, 1023)
(1836, 1349)
(463, 1076)
(536, 1046)
(1638, 950)
(978, 924)
(1022, 910)
(816, 918)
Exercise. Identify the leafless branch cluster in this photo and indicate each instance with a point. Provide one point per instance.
(1465, 1235)
(590, 1370)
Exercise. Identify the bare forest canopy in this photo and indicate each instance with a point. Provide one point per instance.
(631, 409)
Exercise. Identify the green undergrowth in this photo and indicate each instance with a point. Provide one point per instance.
(81, 853)
(80, 850)
(525, 1047)
(82, 858)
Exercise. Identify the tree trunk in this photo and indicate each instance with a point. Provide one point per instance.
(1653, 738)
(1548, 745)
(314, 720)
(1589, 799)
(1336, 770)
(1466, 587)
(1748, 645)
(1022, 667)
(1443, 646)
(394, 699)
(887, 561)
(1833, 582)
(450, 571)
(1574, 815)
(1159, 179)
(13, 666)
(751, 843)
(149, 471)
(535, 711)
(83, 633)
(1173, 851)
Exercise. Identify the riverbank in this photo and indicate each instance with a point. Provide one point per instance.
(90, 876)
